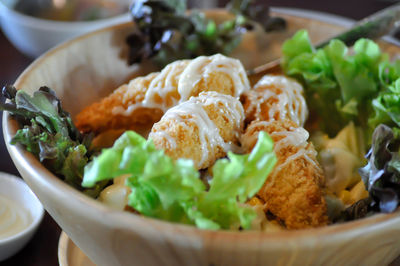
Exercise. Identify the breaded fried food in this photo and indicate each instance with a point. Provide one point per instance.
(292, 192)
(275, 97)
(108, 114)
(145, 99)
(203, 128)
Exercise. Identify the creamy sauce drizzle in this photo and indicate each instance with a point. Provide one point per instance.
(186, 74)
(297, 137)
(13, 218)
(209, 134)
(291, 103)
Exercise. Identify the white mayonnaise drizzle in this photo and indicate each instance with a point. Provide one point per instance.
(203, 66)
(209, 134)
(291, 103)
(296, 137)
(186, 74)
(13, 218)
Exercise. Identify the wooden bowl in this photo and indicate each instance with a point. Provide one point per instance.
(85, 69)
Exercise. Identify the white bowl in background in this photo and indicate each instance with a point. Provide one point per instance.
(34, 36)
(16, 190)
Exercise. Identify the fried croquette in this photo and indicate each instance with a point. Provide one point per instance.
(292, 192)
(275, 97)
(145, 99)
(101, 116)
(203, 128)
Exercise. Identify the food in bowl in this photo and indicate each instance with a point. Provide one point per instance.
(112, 237)
(165, 31)
(192, 111)
(186, 131)
(197, 191)
(345, 88)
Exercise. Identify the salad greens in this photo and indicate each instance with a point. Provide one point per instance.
(161, 187)
(382, 173)
(360, 85)
(359, 209)
(172, 189)
(49, 133)
(165, 32)
(341, 82)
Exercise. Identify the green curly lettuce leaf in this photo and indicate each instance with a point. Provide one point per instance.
(49, 133)
(165, 32)
(382, 173)
(345, 84)
(172, 189)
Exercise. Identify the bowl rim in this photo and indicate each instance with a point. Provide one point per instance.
(35, 220)
(43, 176)
(55, 24)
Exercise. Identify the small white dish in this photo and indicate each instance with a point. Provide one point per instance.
(18, 192)
(33, 36)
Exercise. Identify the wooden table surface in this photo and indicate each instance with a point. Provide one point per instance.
(42, 250)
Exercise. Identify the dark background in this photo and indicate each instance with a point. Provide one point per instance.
(42, 250)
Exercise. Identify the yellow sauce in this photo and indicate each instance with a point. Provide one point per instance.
(13, 218)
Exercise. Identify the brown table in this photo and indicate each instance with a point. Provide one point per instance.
(42, 250)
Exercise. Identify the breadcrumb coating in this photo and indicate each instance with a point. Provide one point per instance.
(202, 129)
(292, 192)
(99, 116)
(194, 111)
(145, 99)
(275, 97)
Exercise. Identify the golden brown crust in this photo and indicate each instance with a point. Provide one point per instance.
(292, 192)
(275, 97)
(220, 82)
(100, 117)
(182, 127)
(118, 110)
(254, 99)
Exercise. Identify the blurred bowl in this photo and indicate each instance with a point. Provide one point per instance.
(16, 190)
(82, 71)
(33, 36)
